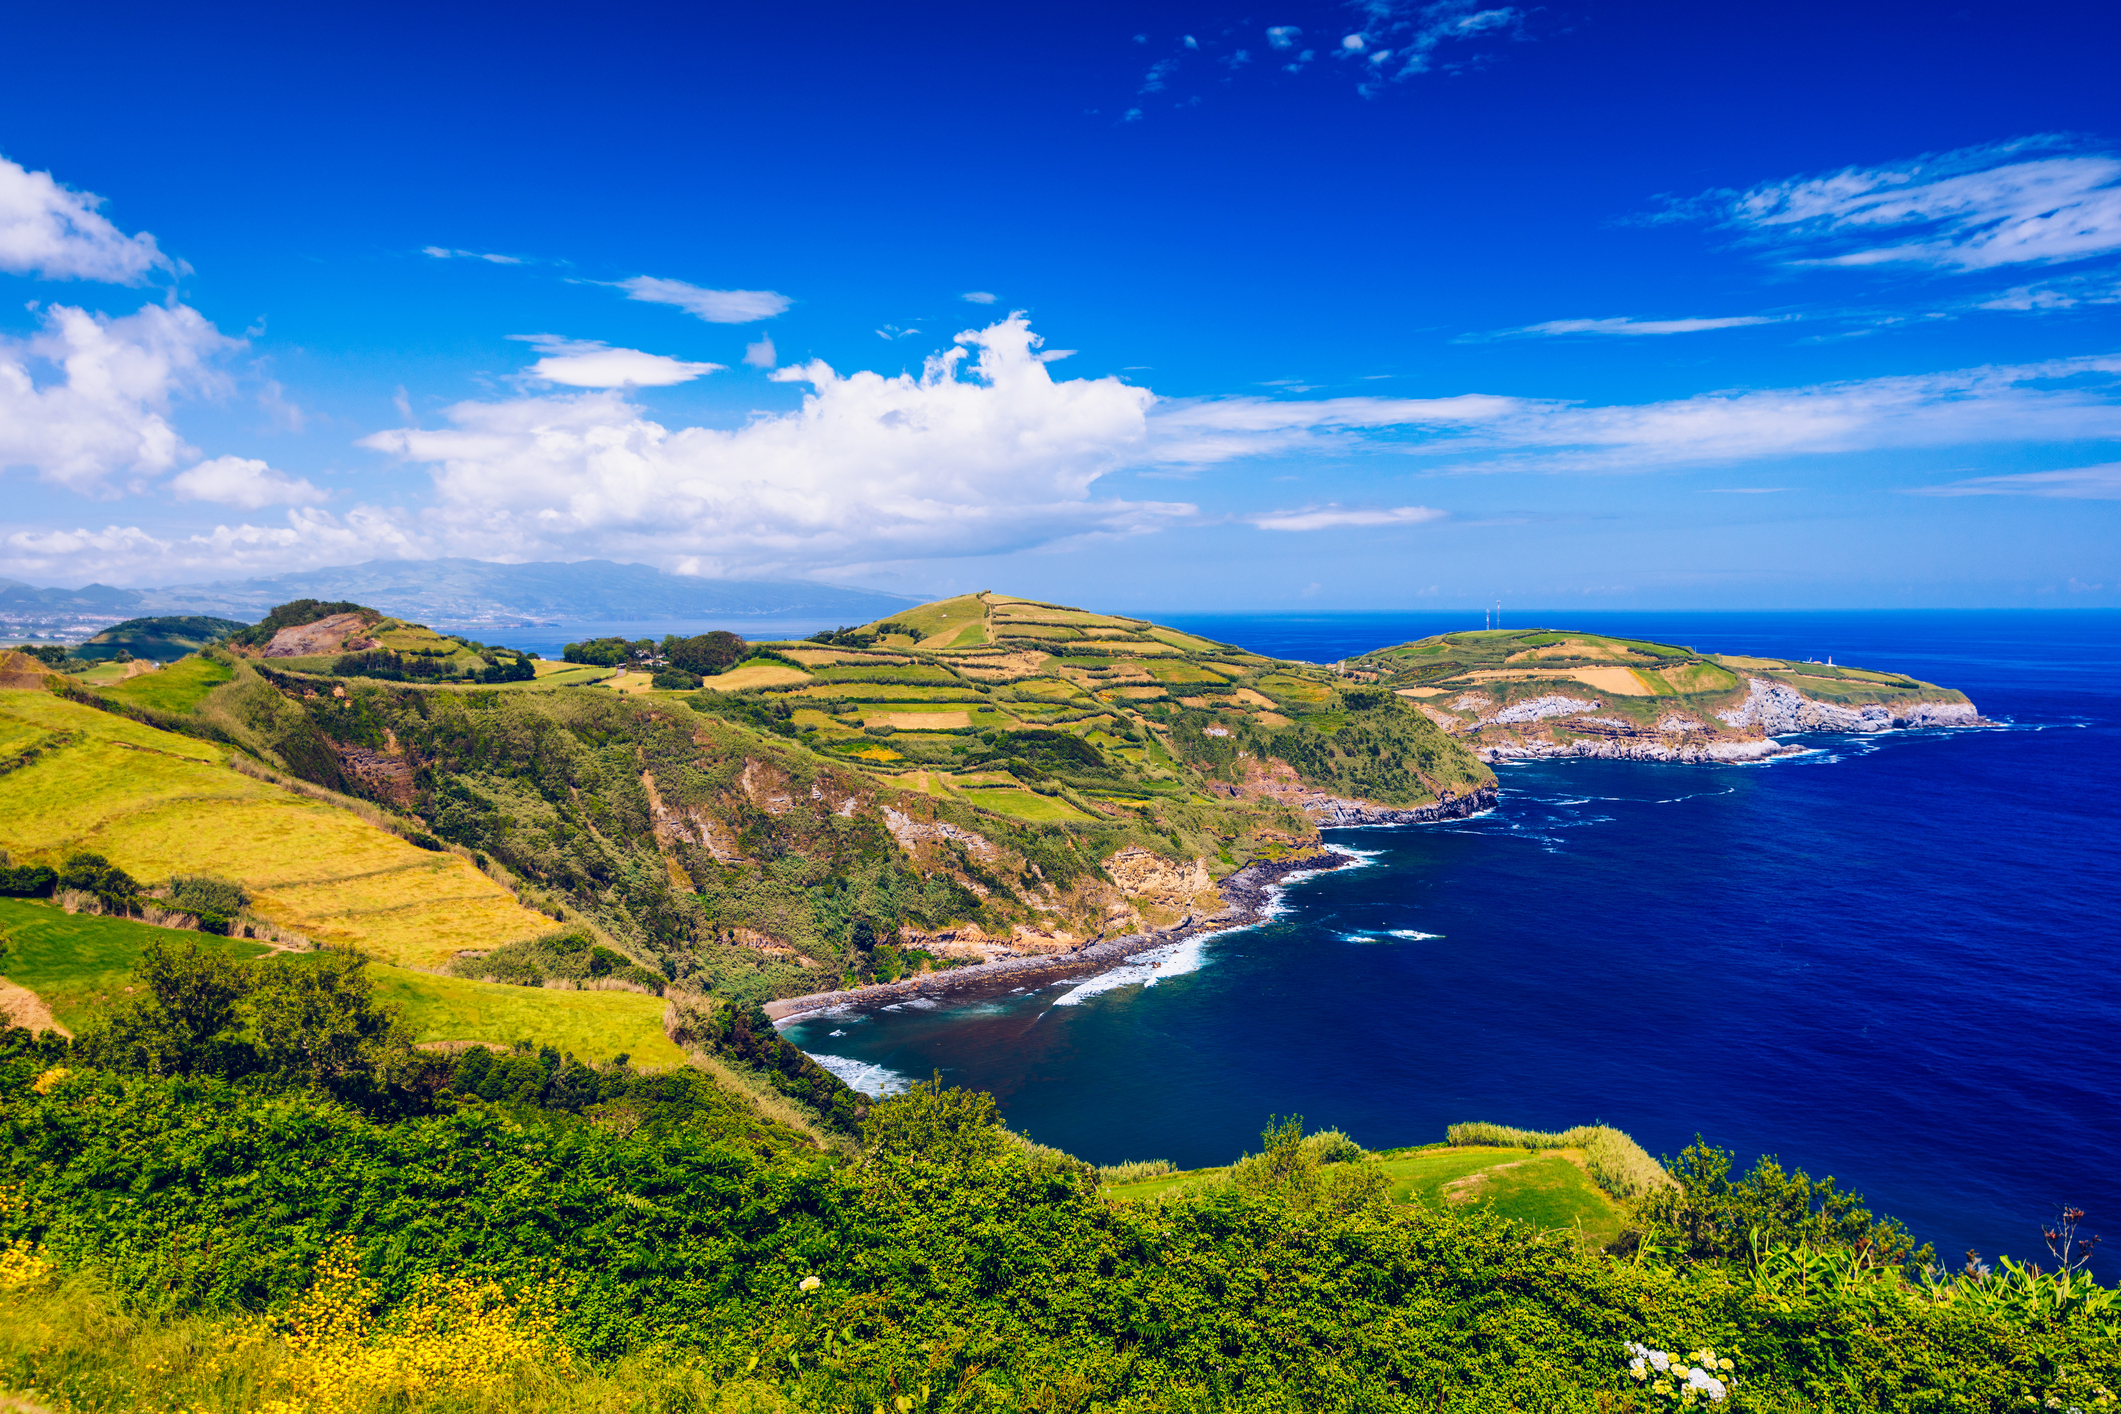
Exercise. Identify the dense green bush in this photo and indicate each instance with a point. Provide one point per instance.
(957, 1269)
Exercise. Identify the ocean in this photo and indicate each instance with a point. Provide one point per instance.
(1895, 959)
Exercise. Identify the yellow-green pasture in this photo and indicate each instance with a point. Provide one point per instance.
(594, 1025)
(159, 804)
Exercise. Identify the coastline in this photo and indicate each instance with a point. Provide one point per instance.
(1250, 893)
(1248, 899)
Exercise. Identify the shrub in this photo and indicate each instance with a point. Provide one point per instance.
(87, 873)
(705, 655)
(422, 840)
(207, 893)
(27, 880)
(674, 680)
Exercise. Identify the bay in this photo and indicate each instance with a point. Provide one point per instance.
(1896, 958)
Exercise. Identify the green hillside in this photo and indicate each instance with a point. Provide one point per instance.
(160, 640)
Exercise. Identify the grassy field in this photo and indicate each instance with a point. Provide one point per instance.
(177, 688)
(1546, 1190)
(594, 1025)
(159, 804)
(74, 961)
(1024, 805)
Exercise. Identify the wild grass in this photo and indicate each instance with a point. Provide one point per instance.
(1134, 1170)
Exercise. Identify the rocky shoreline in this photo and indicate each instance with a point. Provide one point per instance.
(1334, 813)
(1247, 894)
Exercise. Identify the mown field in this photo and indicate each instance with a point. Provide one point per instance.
(158, 804)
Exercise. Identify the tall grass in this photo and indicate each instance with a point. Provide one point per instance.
(1134, 1170)
(1616, 1162)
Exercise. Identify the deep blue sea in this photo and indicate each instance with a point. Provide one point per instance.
(1895, 959)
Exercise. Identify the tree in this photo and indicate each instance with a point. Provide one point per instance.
(93, 874)
(316, 1019)
(706, 655)
(184, 1021)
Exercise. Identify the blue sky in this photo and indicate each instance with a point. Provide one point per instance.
(1180, 306)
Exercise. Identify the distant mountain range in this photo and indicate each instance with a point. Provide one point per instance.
(465, 593)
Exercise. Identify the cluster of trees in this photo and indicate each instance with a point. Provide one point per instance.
(854, 637)
(213, 900)
(402, 667)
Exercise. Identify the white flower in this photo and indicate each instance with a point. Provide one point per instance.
(1637, 1368)
(1706, 1383)
(1660, 1361)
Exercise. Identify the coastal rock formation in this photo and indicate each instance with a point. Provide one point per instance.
(1334, 813)
(1777, 709)
(338, 633)
(1705, 754)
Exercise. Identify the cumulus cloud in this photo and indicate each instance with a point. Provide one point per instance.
(761, 354)
(2083, 483)
(955, 461)
(585, 363)
(48, 230)
(128, 554)
(1638, 327)
(1977, 208)
(101, 404)
(714, 306)
(1330, 516)
(244, 482)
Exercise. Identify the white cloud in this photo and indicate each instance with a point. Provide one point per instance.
(2054, 401)
(1330, 516)
(2083, 483)
(2066, 293)
(761, 354)
(1642, 326)
(584, 363)
(243, 482)
(49, 230)
(127, 554)
(1415, 32)
(101, 406)
(714, 306)
(1978, 208)
(441, 252)
(869, 469)
(977, 297)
